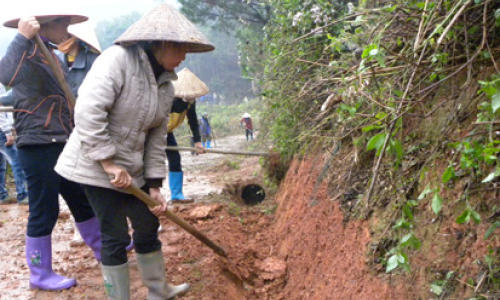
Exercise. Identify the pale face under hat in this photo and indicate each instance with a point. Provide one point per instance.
(164, 23)
(188, 86)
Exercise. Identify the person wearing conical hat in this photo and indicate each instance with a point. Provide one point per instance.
(246, 122)
(78, 53)
(43, 121)
(187, 88)
(121, 118)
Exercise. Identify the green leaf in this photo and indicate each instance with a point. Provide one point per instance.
(392, 263)
(370, 128)
(448, 174)
(464, 217)
(398, 93)
(450, 275)
(401, 223)
(495, 101)
(376, 142)
(410, 240)
(436, 289)
(437, 203)
(490, 177)
(424, 193)
(398, 148)
(491, 229)
(475, 216)
(374, 52)
(367, 50)
(407, 212)
(390, 8)
(412, 203)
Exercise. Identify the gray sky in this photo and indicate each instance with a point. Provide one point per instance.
(96, 10)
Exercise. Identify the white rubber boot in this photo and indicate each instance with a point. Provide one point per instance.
(152, 270)
(116, 281)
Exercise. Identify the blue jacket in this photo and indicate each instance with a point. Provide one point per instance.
(41, 110)
(205, 128)
(80, 67)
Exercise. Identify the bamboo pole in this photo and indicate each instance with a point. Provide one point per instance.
(133, 189)
(210, 150)
(56, 70)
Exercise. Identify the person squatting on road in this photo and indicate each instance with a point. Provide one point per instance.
(187, 88)
(121, 121)
(246, 122)
(43, 122)
(205, 130)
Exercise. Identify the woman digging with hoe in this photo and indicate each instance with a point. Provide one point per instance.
(43, 121)
(121, 123)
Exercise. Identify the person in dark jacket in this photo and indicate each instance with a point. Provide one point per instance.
(43, 122)
(187, 88)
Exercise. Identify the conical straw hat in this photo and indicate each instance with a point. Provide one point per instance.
(51, 15)
(164, 23)
(86, 33)
(188, 86)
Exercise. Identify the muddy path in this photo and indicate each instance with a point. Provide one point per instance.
(213, 181)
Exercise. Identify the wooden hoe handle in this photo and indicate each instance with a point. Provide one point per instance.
(144, 197)
(56, 70)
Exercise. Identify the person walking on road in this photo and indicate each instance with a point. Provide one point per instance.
(121, 121)
(246, 122)
(205, 130)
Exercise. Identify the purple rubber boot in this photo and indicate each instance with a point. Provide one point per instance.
(91, 234)
(39, 258)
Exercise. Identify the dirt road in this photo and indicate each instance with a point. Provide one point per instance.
(210, 179)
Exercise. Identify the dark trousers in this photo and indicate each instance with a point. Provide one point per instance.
(249, 133)
(44, 187)
(112, 209)
(173, 157)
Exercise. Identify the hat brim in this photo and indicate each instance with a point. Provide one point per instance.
(47, 18)
(192, 47)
